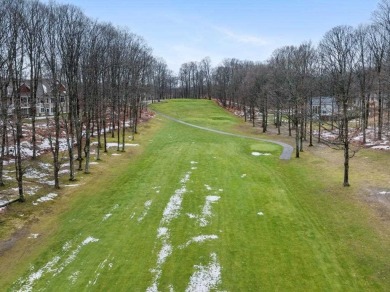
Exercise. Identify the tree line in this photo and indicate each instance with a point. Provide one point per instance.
(350, 65)
(105, 72)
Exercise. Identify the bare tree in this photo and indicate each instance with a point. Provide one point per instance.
(33, 21)
(71, 28)
(16, 65)
(338, 51)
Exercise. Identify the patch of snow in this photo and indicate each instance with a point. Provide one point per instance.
(208, 187)
(260, 154)
(384, 193)
(93, 163)
(33, 236)
(198, 239)
(89, 239)
(72, 185)
(162, 232)
(97, 272)
(171, 211)
(164, 253)
(243, 175)
(206, 212)
(205, 278)
(105, 217)
(34, 174)
(145, 212)
(48, 197)
(63, 171)
(109, 145)
(32, 190)
(73, 278)
(116, 154)
(67, 246)
(194, 162)
(260, 213)
(380, 147)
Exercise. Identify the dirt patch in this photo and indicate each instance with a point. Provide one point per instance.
(9, 243)
(379, 199)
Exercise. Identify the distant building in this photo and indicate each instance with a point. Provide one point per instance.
(324, 106)
(45, 98)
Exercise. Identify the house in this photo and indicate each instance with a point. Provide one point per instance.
(327, 107)
(45, 101)
(324, 106)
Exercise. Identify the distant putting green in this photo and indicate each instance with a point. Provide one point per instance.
(196, 211)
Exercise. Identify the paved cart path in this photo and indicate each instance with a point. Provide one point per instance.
(287, 149)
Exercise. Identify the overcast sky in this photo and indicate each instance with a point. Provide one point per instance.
(181, 31)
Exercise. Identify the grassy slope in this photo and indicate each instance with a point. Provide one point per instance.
(312, 235)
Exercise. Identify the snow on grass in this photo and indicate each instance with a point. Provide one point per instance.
(45, 145)
(145, 212)
(164, 253)
(105, 217)
(63, 171)
(89, 239)
(32, 190)
(156, 189)
(205, 278)
(54, 266)
(100, 267)
(73, 278)
(48, 197)
(381, 147)
(162, 232)
(243, 175)
(116, 154)
(74, 254)
(206, 211)
(260, 213)
(26, 285)
(260, 154)
(199, 239)
(32, 173)
(384, 193)
(110, 145)
(208, 187)
(33, 236)
(171, 211)
(45, 166)
(67, 246)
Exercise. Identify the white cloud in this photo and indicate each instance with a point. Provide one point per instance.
(241, 38)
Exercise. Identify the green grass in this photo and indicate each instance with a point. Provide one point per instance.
(312, 236)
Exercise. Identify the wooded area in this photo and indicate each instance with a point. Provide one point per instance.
(101, 77)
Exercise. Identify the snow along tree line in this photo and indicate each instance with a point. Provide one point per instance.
(350, 67)
(98, 78)
(106, 73)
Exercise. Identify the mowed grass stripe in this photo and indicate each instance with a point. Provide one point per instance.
(294, 245)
